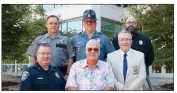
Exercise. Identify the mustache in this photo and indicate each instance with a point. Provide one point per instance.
(131, 28)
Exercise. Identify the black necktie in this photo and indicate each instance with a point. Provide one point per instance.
(125, 66)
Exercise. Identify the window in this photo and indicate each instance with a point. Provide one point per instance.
(75, 26)
(71, 28)
(48, 7)
(63, 26)
(110, 28)
(122, 5)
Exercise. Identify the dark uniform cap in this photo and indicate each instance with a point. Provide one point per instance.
(89, 15)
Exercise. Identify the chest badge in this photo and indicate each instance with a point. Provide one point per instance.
(57, 75)
(135, 70)
(140, 42)
(61, 42)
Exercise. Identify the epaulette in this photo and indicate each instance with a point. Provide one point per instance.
(27, 68)
(80, 32)
(39, 37)
(33, 66)
(100, 33)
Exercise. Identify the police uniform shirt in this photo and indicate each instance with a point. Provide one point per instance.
(142, 44)
(79, 44)
(37, 79)
(61, 48)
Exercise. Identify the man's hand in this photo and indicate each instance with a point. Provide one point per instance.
(66, 77)
(125, 88)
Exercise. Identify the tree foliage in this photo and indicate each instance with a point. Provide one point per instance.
(157, 22)
(20, 26)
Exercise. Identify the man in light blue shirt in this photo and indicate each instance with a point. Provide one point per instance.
(79, 41)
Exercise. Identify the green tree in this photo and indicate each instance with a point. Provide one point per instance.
(157, 22)
(19, 26)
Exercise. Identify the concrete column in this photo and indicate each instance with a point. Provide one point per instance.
(16, 66)
(97, 9)
(150, 70)
(163, 70)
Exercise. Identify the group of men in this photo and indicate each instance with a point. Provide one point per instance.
(58, 63)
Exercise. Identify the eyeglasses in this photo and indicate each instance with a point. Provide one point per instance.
(133, 22)
(126, 39)
(43, 54)
(95, 49)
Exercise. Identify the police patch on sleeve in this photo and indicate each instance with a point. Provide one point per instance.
(25, 75)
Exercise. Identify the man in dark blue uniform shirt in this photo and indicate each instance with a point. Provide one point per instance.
(79, 41)
(140, 42)
(42, 76)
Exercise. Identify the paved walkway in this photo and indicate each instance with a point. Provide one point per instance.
(161, 81)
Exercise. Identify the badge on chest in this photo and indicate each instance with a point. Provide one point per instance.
(57, 75)
(135, 69)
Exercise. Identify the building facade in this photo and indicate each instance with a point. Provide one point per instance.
(109, 17)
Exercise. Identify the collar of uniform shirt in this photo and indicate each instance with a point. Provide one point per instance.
(84, 64)
(95, 34)
(122, 53)
(41, 69)
(57, 36)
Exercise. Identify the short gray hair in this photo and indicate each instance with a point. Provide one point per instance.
(93, 41)
(124, 31)
(44, 45)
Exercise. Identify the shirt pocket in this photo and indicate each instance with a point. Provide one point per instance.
(79, 47)
(135, 71)
(61, 49)
(60, 84)
(100, 83)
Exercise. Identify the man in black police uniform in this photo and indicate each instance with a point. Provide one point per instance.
(41, 76)
(140, 43)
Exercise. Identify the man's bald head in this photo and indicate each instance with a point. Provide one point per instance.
(131, 18)
(92, 50)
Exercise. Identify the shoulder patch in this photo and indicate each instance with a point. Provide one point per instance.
(80, 32)
(100, 33)
(25, 75)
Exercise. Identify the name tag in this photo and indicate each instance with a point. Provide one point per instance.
(61, 45)
(40, 78)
